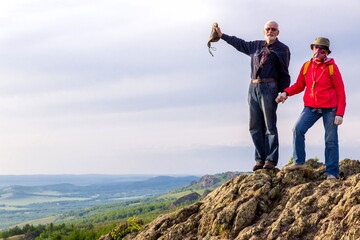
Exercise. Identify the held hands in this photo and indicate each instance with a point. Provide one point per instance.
(282, 97)
(338, 120)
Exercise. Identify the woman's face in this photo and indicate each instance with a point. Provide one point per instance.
(319, 52)
(315, 47)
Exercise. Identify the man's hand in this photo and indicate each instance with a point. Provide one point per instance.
(218, 31)
(338, 120)
(282, 97)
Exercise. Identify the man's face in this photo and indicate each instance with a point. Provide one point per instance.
(271, 32)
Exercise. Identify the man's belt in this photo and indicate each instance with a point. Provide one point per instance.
(263, 80)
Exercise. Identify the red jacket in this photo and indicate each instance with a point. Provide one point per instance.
(321, 91)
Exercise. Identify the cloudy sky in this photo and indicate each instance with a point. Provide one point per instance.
(128, 86)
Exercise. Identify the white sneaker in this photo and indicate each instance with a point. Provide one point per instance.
(331, 177)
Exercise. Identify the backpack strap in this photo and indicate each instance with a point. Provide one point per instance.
(331, 69)
(306, 66)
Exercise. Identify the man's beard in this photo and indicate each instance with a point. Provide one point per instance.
(270, 38)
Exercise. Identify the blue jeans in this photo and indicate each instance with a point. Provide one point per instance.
(307, 119)
(262, 125)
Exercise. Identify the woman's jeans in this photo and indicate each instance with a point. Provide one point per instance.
(307, 119)
(262, 125)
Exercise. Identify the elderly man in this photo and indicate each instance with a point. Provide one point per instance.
(269, 76)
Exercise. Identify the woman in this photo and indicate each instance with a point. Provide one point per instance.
(324, 97)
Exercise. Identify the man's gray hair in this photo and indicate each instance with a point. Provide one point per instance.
(271, 22)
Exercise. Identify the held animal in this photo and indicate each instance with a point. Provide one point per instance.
(214, 37)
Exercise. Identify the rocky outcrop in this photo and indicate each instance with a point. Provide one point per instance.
(270, 204)
(208, 181)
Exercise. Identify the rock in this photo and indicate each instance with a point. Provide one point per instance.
(270, 205)
(208, 181)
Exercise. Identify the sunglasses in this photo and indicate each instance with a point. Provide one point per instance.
(272, 29)
(320, 47)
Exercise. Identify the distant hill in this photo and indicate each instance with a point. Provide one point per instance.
(79, 180)
(213, 181)
(110, 190)
(191, 197)
(173, 198)
(48, 200)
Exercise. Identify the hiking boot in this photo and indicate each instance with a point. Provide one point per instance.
(295, 167)
(331, 177)
(269, 165)
(258, 165)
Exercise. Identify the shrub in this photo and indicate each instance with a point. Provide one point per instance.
(132, 224)
(291, 161)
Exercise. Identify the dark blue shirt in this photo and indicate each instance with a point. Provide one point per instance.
(276, 64)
